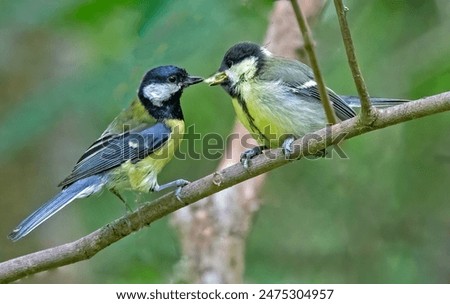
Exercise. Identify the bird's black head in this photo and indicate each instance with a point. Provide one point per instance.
(161, 88)
(241, 63)
(241, 51)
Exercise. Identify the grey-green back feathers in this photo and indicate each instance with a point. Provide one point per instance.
(300, 78)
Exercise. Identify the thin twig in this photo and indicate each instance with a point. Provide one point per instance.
(91, 244)
(367, 111)
(309, 47)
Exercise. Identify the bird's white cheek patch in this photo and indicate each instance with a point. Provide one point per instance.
(232, 76)
(158, 93)
(245, 69)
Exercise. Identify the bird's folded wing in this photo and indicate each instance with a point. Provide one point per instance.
(112, 150)
(341, 108)
(300, 78)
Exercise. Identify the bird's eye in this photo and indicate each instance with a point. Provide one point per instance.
(229, 63)
(172, 78)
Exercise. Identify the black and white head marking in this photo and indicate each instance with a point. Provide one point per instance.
(161, 88)
(161, 84)
(242, 62)
(157, 93)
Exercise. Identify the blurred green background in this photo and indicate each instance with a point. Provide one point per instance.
(68, 67)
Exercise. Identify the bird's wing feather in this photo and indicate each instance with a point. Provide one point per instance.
(112, 150)
(296, 75)
(341, 108)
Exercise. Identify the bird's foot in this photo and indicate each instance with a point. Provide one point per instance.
(178, 196)
(179, 183)
(287, 147)
(249, 154)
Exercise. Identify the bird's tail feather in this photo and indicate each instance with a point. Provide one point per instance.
(355, 102)
(79, 189)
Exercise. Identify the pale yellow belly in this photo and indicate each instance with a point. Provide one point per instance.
(263, 129)
(277, 113)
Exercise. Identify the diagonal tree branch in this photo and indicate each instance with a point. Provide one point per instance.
(88, 246)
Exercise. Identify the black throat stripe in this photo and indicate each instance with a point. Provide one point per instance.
(250, 118)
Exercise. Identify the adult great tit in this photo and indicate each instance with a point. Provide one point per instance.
(276, 98)
(131, 151)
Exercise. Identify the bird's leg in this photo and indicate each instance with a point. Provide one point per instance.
(287, 147)
(179, 183)
(176, 183)
(116, 193)
(249, 154)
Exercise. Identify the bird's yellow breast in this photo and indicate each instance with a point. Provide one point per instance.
(260, 119)
(272, 112)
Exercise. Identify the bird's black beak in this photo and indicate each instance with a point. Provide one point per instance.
(190, 80)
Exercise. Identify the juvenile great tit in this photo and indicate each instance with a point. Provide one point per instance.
(131, 151)
(277, 99)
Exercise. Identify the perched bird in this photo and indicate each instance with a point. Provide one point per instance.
(277, 99)
(131, 151)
